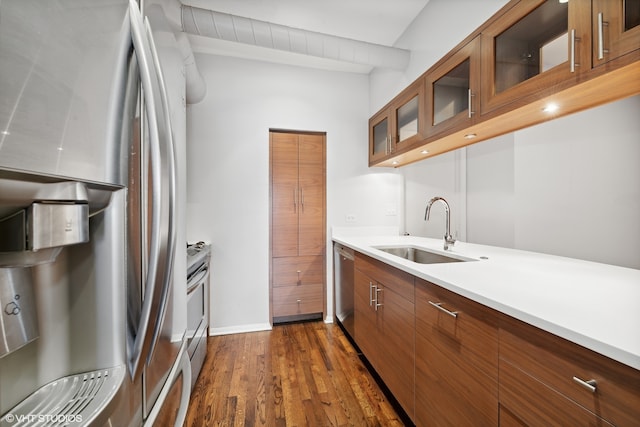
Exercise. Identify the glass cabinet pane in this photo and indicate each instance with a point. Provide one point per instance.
(631, 14)
(451, 92)
(407, 119)
(380, 133)
(534, 44)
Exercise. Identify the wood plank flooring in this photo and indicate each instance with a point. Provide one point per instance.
(298, 374)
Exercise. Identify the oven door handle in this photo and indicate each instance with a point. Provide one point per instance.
(197, 279)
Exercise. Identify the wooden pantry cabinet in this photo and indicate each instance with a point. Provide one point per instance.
(384, 325)
(298, 218)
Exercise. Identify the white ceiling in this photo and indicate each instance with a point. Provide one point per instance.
(373, 21)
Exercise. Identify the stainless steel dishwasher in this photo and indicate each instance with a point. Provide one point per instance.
(343, 272)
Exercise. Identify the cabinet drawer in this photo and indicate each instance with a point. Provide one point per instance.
(554, 362)
(472, 334)
(292, 300)
(304, 270)
(391, 278)
(533, 403)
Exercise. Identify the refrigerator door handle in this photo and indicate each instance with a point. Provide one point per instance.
(171, 187)
(142, 341)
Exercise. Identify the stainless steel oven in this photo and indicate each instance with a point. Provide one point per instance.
(198, 257)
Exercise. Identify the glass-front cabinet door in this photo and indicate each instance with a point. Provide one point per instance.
(408, 115)
(453, 90)
(534, 48)
(616, 29)
(398, 125)
(379, 137)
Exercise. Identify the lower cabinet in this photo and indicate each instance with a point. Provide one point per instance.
(384, 325)
(546, 380)
(456, 359)
(297, 286)
(450, 361)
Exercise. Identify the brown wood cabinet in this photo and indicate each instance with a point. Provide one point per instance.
(453, 90)
(577, 55)
(546, 380)
(536, 48)
(456, 359)
(616, 29)
(449, 360)
(384, 325)
(399, 124)
(297, 224)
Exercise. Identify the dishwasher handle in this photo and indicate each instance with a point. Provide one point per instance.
(347, 253)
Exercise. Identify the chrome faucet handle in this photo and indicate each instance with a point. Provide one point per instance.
(448, 241)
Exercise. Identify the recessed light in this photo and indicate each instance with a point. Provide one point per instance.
(470, 136)
(395, 162)
(5, 132)
(551, 107)
(424, 152)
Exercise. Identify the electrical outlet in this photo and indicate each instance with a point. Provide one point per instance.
(350, 218)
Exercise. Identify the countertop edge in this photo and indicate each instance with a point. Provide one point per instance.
(614, 352)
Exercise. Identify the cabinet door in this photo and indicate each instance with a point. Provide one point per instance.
(365, 319)
(454, 91)
(379, 136)
(616, 29)
(284, 194)
(408, 116)
(395, 352)
(311, 177)
(534, 49)
(456, 360)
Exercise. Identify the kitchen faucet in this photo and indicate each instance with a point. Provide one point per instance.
(448, 239)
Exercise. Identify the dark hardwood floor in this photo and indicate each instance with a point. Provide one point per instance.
(298, 374)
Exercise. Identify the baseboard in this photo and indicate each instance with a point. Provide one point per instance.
(239, 329)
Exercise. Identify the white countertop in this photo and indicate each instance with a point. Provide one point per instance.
(591, 304)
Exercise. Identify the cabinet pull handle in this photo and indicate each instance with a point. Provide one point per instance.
(302, 198)
(589, 384)
(572, 54)
(295, 199)
(469, 108)
(299, 281)
(601, 24)
(378, 290)
(371, 300)
(439, 306)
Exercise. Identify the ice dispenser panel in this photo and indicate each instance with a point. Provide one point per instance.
(57, 224)
(18, 320)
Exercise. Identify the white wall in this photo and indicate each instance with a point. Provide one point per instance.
(568, 187)
(228, 157)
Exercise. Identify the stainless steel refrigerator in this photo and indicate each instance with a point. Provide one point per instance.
(92, 254)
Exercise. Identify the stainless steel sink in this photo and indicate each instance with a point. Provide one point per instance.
(420, 256)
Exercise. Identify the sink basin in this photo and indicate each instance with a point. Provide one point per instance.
(420, 256)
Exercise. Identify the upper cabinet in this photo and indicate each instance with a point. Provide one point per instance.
(397, 125)
(453, 90)
(572, 54)
(616, 29)
(535, 46)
